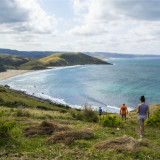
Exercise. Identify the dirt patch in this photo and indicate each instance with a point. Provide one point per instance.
(124, 143)
(22, 121)
(44, 128)
(63, 121)
(68, 137)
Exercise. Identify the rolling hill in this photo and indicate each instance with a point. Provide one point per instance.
(102, 55)
(11, 62)
(62, 59)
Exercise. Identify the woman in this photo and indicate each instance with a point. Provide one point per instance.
(143, 111)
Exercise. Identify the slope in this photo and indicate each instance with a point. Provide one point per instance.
(63, 59)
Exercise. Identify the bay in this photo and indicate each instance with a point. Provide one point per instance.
(107, 86)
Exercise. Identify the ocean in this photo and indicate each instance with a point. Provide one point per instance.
(107, 86)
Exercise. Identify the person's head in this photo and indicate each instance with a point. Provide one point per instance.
(123, 104)
(142, 99)
(99, 107)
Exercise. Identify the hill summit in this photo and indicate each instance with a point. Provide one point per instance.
(63, 59)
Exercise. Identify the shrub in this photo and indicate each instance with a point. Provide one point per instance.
(88, 114)
(63, 111)
(42, 108)
(23, 113)
(2, 89)
(154, 120)
(73, 114)
(79, 116)
(2, 113)
(110, 121)
(1, 100)
(5, 130)
(7, 104)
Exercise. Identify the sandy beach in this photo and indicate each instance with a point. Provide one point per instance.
(11, 73)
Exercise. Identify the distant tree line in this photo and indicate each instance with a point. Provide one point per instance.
(2, 68)
(11, 62)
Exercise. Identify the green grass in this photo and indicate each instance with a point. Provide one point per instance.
(62, 59)
(21, 147)
(11, 62)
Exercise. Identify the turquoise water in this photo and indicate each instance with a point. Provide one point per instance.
(107, 86)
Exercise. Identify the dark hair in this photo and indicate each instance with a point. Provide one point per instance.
(142, 99)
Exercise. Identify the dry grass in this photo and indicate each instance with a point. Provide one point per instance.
(124, 143)
(45, 128)
(68, 137)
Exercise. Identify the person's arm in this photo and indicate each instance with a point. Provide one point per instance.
(120, 110)
(148, 110)
(138, 108)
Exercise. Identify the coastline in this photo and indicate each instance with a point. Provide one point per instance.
(11, 73)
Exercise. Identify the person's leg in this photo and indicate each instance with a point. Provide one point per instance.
(125, 118)
(141, 128)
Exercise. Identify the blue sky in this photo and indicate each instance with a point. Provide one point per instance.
(121, 26)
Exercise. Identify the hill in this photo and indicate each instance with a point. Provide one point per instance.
(29, 54)
(62, 59)
(35, 129)
(41, 54)
(11, 62)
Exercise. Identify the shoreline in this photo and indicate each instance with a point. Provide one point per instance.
(11, 73)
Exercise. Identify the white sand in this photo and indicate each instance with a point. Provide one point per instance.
(11, 73)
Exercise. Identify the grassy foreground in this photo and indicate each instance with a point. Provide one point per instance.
(32, 139)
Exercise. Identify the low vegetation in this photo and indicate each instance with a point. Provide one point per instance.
(87, 114)
(111, 121)
(68, 137)
(11, 62)
(154, 120)
(33, 129)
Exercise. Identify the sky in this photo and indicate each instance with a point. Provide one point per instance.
(117, 26)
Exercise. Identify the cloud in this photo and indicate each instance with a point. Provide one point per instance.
(148, 10)
(26, 17)
(126, 26)
(129, 19)
(11, 13)
(88, 30)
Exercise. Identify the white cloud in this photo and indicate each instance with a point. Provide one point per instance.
(119, 25)
(125, 26)
(25, 16)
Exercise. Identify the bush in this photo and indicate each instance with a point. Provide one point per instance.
(23, 113)
(110, 121)
(154, 120)
(2, 113)
(43, 108)
(5, 130)
(63, 111)
(88, 114)
(1, 100)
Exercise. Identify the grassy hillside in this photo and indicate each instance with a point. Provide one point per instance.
(37, 130)
(11, 62)
(62, 59)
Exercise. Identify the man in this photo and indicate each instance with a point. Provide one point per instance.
(100, 111)
(123, 112)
